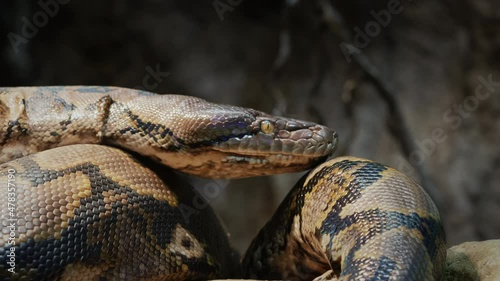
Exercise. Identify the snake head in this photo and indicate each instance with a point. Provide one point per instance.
(271, 145)
(233, 142)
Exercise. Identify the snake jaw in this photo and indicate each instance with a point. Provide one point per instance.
(292, 146)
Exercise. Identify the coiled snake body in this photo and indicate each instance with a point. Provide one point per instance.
(75, 205)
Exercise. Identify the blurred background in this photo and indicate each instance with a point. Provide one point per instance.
(412, 84)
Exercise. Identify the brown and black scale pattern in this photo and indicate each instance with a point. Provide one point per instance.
(380, 237)
(134, 237)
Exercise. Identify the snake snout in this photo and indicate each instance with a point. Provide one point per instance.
(327, 136)
(308, 139)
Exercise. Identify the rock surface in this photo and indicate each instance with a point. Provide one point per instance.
(474, 261)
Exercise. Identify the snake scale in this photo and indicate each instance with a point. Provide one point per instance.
(83, 196)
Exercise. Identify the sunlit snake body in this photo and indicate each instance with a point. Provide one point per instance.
(85, 211)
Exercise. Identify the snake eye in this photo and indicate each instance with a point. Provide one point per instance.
(267, 127)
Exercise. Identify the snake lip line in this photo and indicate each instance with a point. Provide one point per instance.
(320, 151)
(262, 160)
(265, 145)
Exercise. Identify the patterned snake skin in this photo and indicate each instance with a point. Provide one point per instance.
(83, 196)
